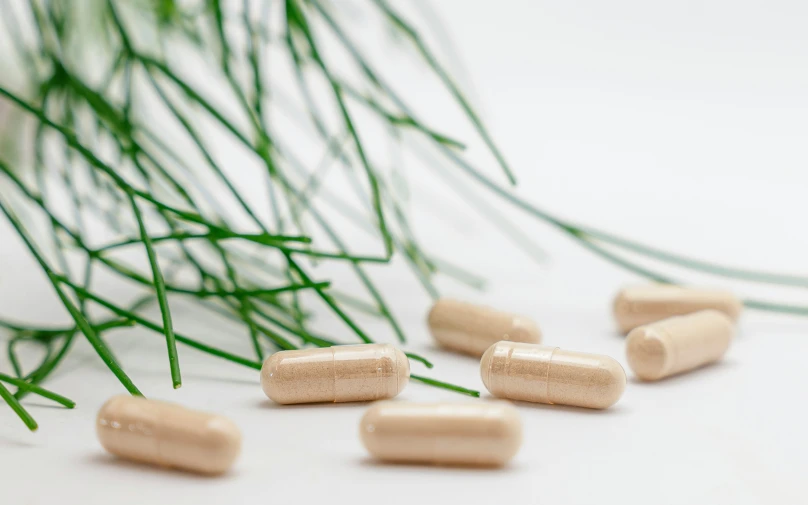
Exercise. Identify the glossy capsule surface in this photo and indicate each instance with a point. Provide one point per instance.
(471, 329)
(543, 374)
(638, 305)
(169, 435)
(678, 344)
(345, 373)
(476, 434)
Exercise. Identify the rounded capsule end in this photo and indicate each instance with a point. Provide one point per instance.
(647, 353)
(524, 330)
(269, 376)
(511, 434)
(367, 428)
(734, 307)
(485, 366)
(434, 317)
(112, 406)
(402, 371)
(394, 369)
(613, 384)
(109, 412)
(621, 308)
(223, 438)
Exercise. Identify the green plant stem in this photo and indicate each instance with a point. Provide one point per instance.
(375, 294)
(115, 167)
(162, 297)
(420, 359)
(18, 409)
(148, 324)
(796, 310)
(47, 366)
(128, 273)
(12, 357)
(407, 29)
(85, 327)
(695, 264)
(260, 238)
(33, 388)
(329, 301)
(122, 130)
(445, 385)
(577, 233)
(296, 21)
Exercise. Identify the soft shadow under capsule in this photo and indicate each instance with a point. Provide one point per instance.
(542, 374)
(474, 434)
(344, 373)
(471, 329)
(169, 435)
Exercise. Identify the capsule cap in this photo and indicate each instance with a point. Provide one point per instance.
(402, 373)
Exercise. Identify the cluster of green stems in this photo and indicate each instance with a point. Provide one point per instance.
(117, 172)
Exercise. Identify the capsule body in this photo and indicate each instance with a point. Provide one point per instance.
(169, 435)
(638, 305)
(477, 434)
(542, 374)
(471, 329)
(678, 344)
(344, 373)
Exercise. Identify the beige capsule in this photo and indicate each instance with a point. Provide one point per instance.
(678, 344)
(638, 305)
(542, 374)
(475, 434)
(345, 373)
(471, 329)
(166, 434)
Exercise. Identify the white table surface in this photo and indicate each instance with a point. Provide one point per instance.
(683, 126)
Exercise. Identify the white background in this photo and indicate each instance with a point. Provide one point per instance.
(681, 124)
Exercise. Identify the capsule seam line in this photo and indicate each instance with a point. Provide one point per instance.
(158, 440)
(507, 373)
(490, 377)
(547, 377)
(334, 368)
(398, 385)
(377, 383)
(671, 347)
